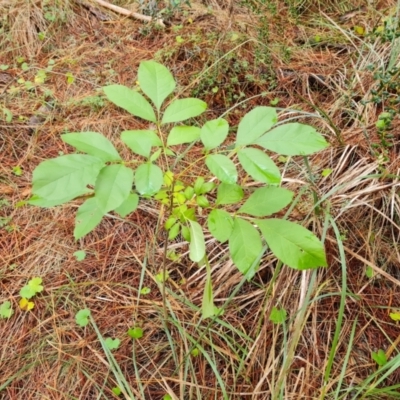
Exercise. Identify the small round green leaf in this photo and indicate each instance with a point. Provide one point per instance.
(82, 317)
(135, 333)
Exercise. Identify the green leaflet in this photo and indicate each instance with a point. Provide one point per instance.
(183, 109)
(222, 167)
(148, 179)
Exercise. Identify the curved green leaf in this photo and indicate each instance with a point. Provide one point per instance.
(156, 81)
(266, 201)
(254, 124)
(222, 167)
(89, 215)
(214, 132)
(245, 247)
(92, 143)
(293, 139)
(113, 186)
(259, 166)
(141, 141)
(197, 246)
(229, 193)
(131, 101)
(293, 244)
(128, 206)
(183, 134)
(220, 224)
(148, 179)
(180, 110)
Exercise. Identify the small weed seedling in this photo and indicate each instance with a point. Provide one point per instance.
(109, 183)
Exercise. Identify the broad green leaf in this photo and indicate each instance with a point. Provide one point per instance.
(180, 110)
(222, 167)
(266, 201)
(229, 193)
(278, 315)
(294, 245)
(113, 186)
(66, 177)
(208, 308)
(92, 143)
(197, 246)
(214, 132)
(135, 333)
(141, 141)
(27, 292)
(156, 81)
(259, 166)
(183, 134)
(131, 101)
(89, 215)
(6, 310)
(41, 202)
(254, 124)
(220, 224)
(128, 206)
(245, 247)
(112, 344)
(80, 255)
(33, 287)
(379, 357)
(293, 139)
(82, 317)
(148, 179)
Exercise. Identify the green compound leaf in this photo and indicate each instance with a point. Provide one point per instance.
(64, 178)
(222, 167)
(112, 344)
(259, 166)
(148, 179)
(82, 317)
(128, 206)
(92, 143)
(183, 134)
(293, 139)
(183, 109)
(33, 287)
(214, 132)
(245, 247)
(89, 215)
(141, 141)
(266, 201)
(229, 194)
(5, 310)
(131, 101)
(254, 124)
(294, 245)
(197, 246)
(156, 81)
(278, 315)
(220, 224)
(113, 186)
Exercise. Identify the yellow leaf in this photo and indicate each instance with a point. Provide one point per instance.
(359, 30)
(395, 316)
(26, 305)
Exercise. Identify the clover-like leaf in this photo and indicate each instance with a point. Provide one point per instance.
(26, 305)
(82, 317)
(112, 344)
(5, 310)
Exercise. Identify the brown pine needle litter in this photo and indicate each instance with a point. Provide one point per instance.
(323, 71)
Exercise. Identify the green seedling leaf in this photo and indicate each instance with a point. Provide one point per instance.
(220, 224)
(395, 316)
(131, 101)
(259, 166)
(148, 179)
(198, 184)
(113, 186)
(129, 205)
(206, 187)
(294, 245)
(141, 141)
(145, 290)
(6, 310)
(167, 397)
(4, 67)
(156, 81)
(24, 66)
(274, 102)
(213, 133)
(116, 390)
(208, 308)
(70, 78)
(293, 139)
(326, 172)
(195, 352)
(183, 109)
(266, 201)
(254, 124)
(80, 255)
(183, 134)
(245, 247)
(92, 143)
(161, 277)
(17, 171)
(278, 315)
(222, 167)
(82, 317)
(112, 344)
(135, 333)
(379, 357)
(33, 287)
(64, 178)
(369, 272)
(174, 231)
(8, 115)
(89, 215)
(197, 247)
(229, 193)
(155, 155)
